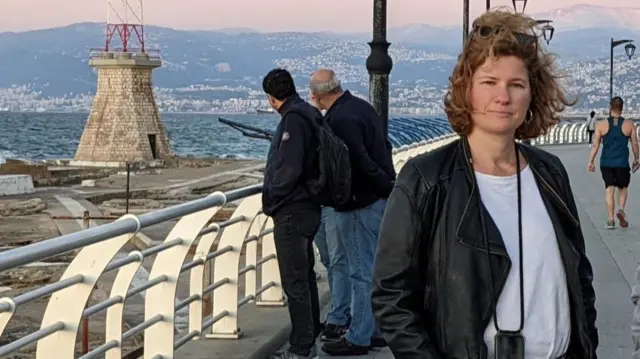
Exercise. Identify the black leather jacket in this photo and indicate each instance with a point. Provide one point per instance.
(431, 291)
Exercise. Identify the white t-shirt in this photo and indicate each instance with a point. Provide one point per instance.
(547, 322)
(591, 123)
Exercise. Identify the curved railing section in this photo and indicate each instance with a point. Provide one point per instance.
(406, 131)
(413, 130)
(566, 133)
(237, 250)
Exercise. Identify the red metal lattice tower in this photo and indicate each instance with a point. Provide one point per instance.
(125, 22)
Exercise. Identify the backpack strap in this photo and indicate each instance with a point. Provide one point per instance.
(305, 114)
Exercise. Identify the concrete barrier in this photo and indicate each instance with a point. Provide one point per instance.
(15, 184)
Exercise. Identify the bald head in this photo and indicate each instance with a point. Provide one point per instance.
(324, 82)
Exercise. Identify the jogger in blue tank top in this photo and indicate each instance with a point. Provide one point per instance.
(614, 134)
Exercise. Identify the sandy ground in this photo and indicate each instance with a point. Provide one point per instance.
(149, 190)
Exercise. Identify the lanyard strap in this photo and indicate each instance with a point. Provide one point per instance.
(486, 245)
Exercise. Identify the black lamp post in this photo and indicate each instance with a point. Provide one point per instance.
(630, 49)
(515, 7)
(547, 30)
(379, 63)
(465, 19)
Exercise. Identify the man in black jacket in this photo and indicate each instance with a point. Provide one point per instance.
(291, 160)
(357, 123)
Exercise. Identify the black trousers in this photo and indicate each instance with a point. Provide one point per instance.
(590, 133)
(293, 231)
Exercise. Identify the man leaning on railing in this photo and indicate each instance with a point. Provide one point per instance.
(296, 216)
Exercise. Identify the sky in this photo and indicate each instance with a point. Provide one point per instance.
(262, 15)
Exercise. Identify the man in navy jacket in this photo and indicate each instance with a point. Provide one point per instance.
(290, 162)
(357, 123)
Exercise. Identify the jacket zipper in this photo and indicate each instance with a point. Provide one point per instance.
(577, 301)
(466, 208)
(557, 197)
(548, 187)
(473, 189)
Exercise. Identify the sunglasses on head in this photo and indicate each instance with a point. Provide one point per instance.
(527, 40)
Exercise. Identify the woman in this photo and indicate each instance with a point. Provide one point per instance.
(449, 279)
(591, 126)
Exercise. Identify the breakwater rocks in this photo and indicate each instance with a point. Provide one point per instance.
(12, 208)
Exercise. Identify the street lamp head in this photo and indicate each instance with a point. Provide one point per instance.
(547, 33)
(524, 5)
(630, 49)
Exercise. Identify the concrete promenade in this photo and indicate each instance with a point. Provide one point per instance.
(614, 254)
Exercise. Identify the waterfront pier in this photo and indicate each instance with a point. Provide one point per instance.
(211, 287)
(199, 279)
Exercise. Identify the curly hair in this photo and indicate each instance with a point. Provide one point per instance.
(498, 33)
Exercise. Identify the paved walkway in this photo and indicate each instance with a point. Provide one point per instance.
(614, 254)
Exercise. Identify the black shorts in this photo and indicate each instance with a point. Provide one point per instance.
(616, 176)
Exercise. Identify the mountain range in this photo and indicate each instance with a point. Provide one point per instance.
(594, 18)
(53, 62)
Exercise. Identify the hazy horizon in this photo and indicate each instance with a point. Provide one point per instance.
(275, 15)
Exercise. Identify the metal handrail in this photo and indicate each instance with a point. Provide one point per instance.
(41, 250)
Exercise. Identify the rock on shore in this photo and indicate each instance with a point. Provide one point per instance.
(12, 208)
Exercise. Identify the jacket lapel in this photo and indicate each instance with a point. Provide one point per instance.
(475, 216)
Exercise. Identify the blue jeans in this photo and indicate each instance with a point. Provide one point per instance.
(334, 257)
(358, 231)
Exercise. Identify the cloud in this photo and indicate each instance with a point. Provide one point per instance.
(223, 67)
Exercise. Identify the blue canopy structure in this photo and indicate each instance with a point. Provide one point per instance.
(402, 131)
(405, 131)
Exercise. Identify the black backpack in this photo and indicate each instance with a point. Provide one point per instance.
(331, 186)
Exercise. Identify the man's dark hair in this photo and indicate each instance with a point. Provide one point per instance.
(617, 104)
(279, 84)
(593, 113)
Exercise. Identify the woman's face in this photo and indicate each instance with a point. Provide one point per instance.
(500, 95)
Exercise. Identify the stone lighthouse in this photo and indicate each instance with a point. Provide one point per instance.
(124, 124)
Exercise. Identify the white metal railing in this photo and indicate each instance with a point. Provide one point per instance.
(247, 229)
(566, 133)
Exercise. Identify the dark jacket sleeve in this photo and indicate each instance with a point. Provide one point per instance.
(348, 130)
(585, 269)
(289, 157)
(397, 296)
